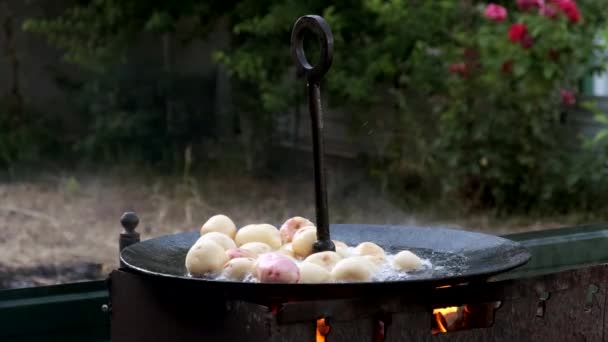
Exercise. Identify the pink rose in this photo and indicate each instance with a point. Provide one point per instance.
(568, 97)
(517, 32)
(569, 8)
(549, 11)
(527, 5)
(495, 12)
(458, 69)
(527, 41)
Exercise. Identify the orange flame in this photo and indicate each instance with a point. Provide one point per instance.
(440, 318)
(322, 329)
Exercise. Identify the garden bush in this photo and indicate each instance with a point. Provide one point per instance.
(472, 94)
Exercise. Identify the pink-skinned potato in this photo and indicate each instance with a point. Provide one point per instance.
(276, 268)
(233, 253)
(291, 226)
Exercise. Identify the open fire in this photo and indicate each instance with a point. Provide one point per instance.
(462, 317)
(444, 318)
(323, 329)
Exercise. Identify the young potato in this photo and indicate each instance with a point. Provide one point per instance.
(205, 257)
(220, 238)
(407, 261)
(238, 268)
(342, 249)
(303, 240)
(377, 260)
(234, 253)
(355, 269)
(265, 233)
(276, 268)
(369, 248)
(339, 244)
(221, 224)
(291, 226)
(287, 249)
(326, 259)
(313, 274)
(256, 248)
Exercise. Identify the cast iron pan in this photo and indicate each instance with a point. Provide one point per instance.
(458, 256)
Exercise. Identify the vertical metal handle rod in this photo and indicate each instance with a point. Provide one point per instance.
(313, 74)
(323, 242)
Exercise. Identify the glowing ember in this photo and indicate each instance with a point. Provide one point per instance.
(322, 329)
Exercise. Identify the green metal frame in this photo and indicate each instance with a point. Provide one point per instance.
(561, 249)
(72, 312)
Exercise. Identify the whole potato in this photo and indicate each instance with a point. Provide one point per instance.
(265, 233)
(355, 269)
(221, 224)
(234, 253)
(326, 259)
(256, 248)
(343, 249)
(303, 240)
(220, 238)
(238, 268)
(205, 257)
(291, 226)
(276, 268)
(369, 248)
(339, 244)
(376, 259)
(287, 249)
(407, 261)
(313, 274)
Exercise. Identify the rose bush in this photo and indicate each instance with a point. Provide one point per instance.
(500, 133)
(468, 95)
(483, 130)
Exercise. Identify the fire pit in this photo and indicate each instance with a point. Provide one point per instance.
(563, 306)
(153, 298)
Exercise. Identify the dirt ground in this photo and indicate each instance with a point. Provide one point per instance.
(55, 221)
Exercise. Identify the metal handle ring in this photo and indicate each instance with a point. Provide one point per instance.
(319, 26)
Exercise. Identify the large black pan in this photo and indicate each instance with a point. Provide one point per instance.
(457, 256)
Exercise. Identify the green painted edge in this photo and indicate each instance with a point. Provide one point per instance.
(52, 290)
(70, 312)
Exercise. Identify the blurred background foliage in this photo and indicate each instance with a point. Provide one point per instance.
(473, 115)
